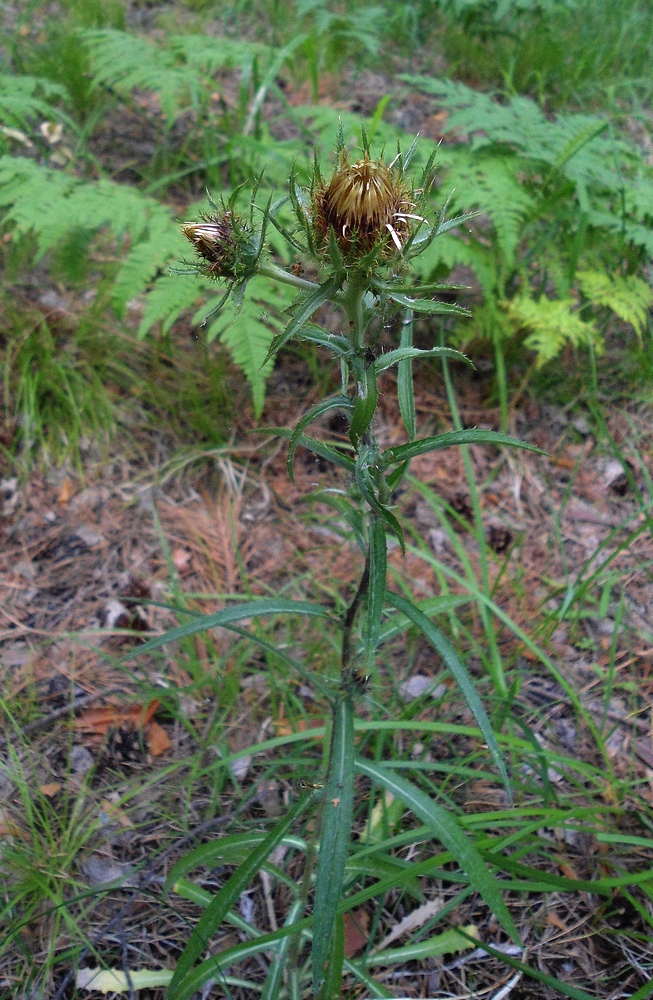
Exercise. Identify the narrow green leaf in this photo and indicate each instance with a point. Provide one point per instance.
(413, 353)
(395, 477)
(213, 967)
(431, 606)
(251, 609)
(304, 311)
(430, 288)
(442, 645)
(376, 592)
(365, 405)
(316, 335)
(317, 447)
(334, 839)
(429, 306)
(335, 403)
(449, 834)
(215, 913)
(332, 985)
(230, 850)
(405, 391)
(450, 438)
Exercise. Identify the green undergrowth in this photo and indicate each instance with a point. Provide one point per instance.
(544, 136)
(560, 251)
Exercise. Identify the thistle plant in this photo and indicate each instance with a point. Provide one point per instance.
(359, 230)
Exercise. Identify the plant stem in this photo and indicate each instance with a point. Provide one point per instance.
(270, 270)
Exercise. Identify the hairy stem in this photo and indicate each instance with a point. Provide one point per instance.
(286, 277)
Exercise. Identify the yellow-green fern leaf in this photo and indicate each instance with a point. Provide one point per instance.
(553, 324)
(629, 298)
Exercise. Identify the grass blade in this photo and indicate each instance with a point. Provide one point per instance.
(449, 834)
(442, 645)
(334, 840)
(273, 982)
(225, 899)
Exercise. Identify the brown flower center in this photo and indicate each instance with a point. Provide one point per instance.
(362, 203)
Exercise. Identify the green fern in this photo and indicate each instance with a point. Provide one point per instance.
(24, 99)
(247, 330)
(171, 296)
(207, 54)
(51, 205)
(630, 298)
(490, 183)
(450, 251)
(579, 147)
(553, 325)
(124, 62)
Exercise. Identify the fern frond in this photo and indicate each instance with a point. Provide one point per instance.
(51, 205)
(162, 243)
(633, 232)
(553, 324)
(451, 251)
(169, 298)
(26, 98)
(490, 184)
(124, 62)
(578, 145)
(247, 331)
(208, 54)
(630, 297)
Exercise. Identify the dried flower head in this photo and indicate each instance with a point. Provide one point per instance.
(366, 204)
(224, 244)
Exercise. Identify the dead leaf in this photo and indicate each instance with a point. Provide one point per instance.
(98, 721)
(412, 921)
(355, 931)
(67, 492)
(283, 728)
(554, 920)
(180, 559)
(157, 739)
(50, 790)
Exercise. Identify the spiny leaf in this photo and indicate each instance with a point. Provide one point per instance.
(236, 613)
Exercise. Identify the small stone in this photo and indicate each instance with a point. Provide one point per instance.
(80, 760)
(25, 569)
(102, 870)
(88, 536)
(116, 615)
(240, 767)
(419, 684)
